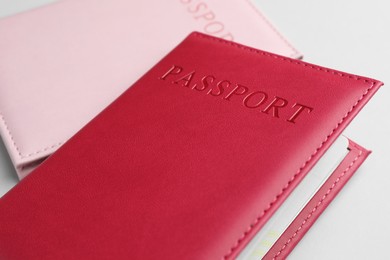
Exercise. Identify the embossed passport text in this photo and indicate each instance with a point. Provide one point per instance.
(191, 161)
(64, 63)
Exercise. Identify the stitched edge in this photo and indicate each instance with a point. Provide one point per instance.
(23, 156)
(10, 135)
(341, 74)
(317, 205)
(43, 150)
(262, 17)
(286, 59)
(272, 27)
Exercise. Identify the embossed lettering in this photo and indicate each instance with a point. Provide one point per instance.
(220, 88)
(300, 109)
(174, 70)
(275, 104)
(206, 80)
(238, 90)
(206, 18)
(263, 97)
(236, 93)
(209, 16)
(197, 8)
(214, 27)
(186, 79)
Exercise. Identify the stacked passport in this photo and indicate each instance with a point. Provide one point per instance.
(219, 151)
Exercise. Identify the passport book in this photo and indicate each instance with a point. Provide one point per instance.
(64, 63)
(196, 160)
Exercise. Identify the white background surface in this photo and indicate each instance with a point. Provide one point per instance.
(353, 36)
(348, 35)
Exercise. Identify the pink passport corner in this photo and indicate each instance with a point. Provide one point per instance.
(61, 64)
(241, 163)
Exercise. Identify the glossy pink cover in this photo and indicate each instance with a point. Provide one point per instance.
(60, 65)
(189, 163)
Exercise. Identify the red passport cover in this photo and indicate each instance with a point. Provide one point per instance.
(189, 163)
(318, 203)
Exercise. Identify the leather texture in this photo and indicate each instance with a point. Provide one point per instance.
(182, 166)
(319, 202)
(60, 65)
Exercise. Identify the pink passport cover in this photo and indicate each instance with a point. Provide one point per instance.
(190, 162)
(60, 65)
